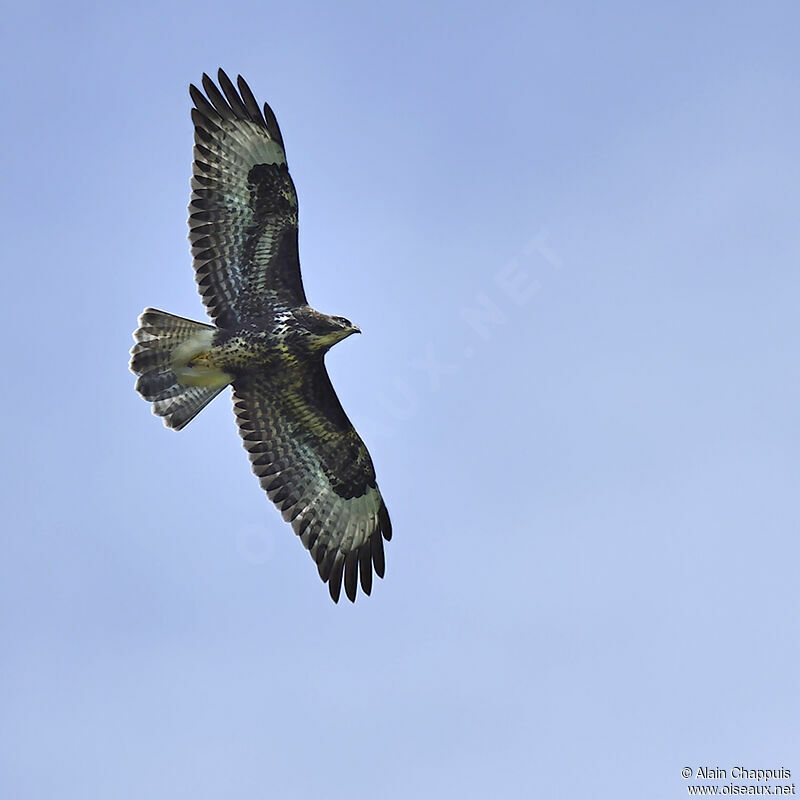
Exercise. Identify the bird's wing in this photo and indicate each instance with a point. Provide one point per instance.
(243, 211)
(315, 468)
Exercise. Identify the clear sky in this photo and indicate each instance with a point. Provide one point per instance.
(569, 232)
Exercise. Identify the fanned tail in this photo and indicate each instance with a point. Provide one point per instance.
(165, 345)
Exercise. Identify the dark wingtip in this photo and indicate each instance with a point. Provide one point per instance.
(325, 566)
(365, 568)
(217, 99)
(195, 94)
(202, 104)
(232, 95)
(351, 575)
(385, 522)
(376, 551)
(272, 125)
(335, 579)
(250, 101)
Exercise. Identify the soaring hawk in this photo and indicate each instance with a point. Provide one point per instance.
(267, 342)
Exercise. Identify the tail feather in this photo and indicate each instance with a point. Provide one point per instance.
(180, 410)
(164, 346)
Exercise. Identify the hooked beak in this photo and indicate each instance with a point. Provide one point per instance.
(344, 333)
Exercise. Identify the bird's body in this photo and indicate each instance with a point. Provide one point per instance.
(268, 342)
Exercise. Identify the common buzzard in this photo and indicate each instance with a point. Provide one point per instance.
(267, 342)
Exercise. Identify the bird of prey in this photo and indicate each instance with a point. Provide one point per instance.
(266, 342)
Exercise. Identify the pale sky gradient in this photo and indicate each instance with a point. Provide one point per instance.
(569, 232)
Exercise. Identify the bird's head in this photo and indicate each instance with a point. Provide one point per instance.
(323, 331)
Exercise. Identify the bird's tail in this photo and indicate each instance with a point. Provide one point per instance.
(167, 357)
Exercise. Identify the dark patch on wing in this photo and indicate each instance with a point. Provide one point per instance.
(271, 189)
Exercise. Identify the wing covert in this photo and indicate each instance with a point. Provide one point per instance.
(243, 210)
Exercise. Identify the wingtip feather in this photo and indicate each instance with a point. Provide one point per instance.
(384, 522)
(351, 575)
(232, 95)
(250, 101)
(376, 551)
(216, 98)
(365, 568)
(335, 578)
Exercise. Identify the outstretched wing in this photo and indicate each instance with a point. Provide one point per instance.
(243, 211)
(315, 468)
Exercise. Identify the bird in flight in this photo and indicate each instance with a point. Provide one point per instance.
(266, 342)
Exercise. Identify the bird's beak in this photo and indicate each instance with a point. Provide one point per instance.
(344, 333)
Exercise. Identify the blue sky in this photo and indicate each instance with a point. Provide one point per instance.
(569, 233)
